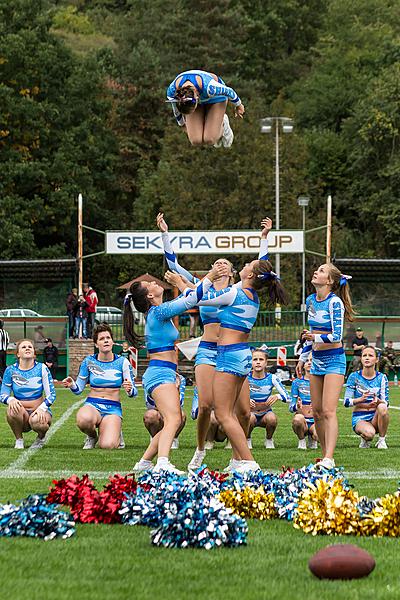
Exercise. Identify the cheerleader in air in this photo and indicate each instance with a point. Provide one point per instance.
(261, 385)
(199, 100)
(367, 392)
(303, 421)
(206, 356)
(28, 391)
(238, 308)
(327, 309)
(100, 417)
(159, 379)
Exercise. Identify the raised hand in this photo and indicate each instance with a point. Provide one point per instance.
(219, 270)
(266, 226)
(68, 382)
(161, 224)
(239, 111)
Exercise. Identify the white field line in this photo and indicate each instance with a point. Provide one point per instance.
(21, 461)
(380, 474)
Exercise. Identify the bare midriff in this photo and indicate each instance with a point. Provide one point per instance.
(105, 393)
(306, 410)
(232, 336)
(32, 404)
(211, 332)
(169, 356)
(323, 346)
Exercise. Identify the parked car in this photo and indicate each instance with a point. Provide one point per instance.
(19, 312)
(108, 314)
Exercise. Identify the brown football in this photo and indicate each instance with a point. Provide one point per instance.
(341, 561)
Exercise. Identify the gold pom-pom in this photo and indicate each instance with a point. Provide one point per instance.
(327, 508)
(256, 504)
(384, 518)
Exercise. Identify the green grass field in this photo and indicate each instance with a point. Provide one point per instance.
(115, 561)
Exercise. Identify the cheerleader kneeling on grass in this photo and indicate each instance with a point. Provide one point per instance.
(28, 391)
(367, 391)
(100, 418)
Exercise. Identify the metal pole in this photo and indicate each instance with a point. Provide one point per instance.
(277, 216)
(329, 229)
(80, 244)
(303, 291)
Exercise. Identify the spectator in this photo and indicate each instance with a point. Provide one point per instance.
(50, 355)
(125, 352)
(4, 341)
(70, 303)
(92, 300)
(81, 318)
(39, 338)
(387, 360)
(358, 344)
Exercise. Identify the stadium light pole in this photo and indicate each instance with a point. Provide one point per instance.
(287, 127)
(303, 201)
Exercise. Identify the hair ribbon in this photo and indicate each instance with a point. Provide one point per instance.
(269, 275)
(344, 279)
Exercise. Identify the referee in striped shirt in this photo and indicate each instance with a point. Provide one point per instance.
(4, 341)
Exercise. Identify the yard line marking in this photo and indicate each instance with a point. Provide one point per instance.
(61, 474)
(23, 474)
(21, 461)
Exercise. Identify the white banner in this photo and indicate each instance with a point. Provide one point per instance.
(203, 242)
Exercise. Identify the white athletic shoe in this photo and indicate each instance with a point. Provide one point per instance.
(326, 463)
(247, 466)
(167, 466)
(142, 465)
(121, 442)
(228, 446)
(269, 443)
(38, 443)
(227, 136)
(364, 443)
(249, 444)
(175, 444)
(381, 444)
(19, 444)
(226, 139)
(312, 444)
(90, 442)
(302, 445)
(197, 460)
(208, 445)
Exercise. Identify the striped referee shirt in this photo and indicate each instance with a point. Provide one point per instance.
(4, 339)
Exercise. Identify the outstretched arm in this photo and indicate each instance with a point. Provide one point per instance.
(169, 254)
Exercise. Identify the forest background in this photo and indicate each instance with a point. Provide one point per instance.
(82, 90)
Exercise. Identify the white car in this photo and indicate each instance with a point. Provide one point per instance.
(108, 314)
(18, 312)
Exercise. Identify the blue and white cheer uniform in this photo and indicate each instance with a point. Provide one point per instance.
(326, 316)
(99, 374)
(28, 385)
(301, 391)
(161, 335)
(261, 390)
(357, 385)
(211, 89)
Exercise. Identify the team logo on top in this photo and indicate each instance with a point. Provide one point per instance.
(19, 379)
(95, 369)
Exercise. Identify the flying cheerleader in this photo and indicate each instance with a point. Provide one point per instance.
(327, 309)
(199, 100)
(238, 308)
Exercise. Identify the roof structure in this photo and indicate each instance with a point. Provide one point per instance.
(371, 270)
(146, 277)
(40, 270)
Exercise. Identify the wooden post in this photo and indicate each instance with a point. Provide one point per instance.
(329, 229)
(80, 243)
